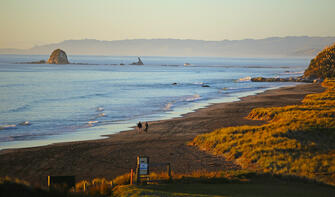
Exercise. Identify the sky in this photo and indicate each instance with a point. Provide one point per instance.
(26, 23)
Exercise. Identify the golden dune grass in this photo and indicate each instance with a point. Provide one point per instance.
(297, 140)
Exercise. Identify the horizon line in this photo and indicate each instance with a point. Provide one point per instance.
(182, 39)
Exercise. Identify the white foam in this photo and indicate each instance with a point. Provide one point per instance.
(193, 98)
(100, 109)
(102, 115)
(8, 126)
(248, 78)
(168, 106)
(25, 123)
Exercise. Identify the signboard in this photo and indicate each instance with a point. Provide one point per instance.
(143, 165)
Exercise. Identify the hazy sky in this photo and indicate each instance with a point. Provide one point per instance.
(25, 23)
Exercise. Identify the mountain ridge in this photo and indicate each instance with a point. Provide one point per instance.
(290, 46)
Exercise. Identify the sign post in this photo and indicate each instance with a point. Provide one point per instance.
(142, 167)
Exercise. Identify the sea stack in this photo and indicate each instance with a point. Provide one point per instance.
(58, 56)
(138, 63)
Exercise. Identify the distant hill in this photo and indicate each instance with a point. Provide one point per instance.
(301, 46)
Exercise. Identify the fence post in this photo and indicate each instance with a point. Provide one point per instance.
(131, 176)
(138, 178)
(49, 182)
(169, 171)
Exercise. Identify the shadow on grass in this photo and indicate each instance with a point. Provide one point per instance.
(249, 184)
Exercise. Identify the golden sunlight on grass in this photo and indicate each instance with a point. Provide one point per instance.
(298, 140)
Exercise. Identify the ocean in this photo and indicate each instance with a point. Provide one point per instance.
(42, 104)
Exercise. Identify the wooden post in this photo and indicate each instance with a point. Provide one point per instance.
(84, 186)
(138, 181)
(169, 170)
(49, 181)
(131, 176)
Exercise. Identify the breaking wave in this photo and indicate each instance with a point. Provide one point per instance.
(248, 78)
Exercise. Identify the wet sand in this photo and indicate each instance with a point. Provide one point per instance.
(166, 141)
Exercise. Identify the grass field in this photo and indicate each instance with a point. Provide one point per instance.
(297, 140)
(231, 189)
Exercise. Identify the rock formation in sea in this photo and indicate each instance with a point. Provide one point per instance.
(277, 79)
(323, 65)
(320, 68)
(138, 63)
(58, 56)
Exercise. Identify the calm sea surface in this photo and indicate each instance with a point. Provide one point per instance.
(79, 102)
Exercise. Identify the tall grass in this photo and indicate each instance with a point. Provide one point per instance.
(297, 140)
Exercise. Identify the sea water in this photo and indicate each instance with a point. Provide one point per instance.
(42, 104)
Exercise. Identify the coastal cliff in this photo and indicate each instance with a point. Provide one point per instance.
(323, 65)
(320, 68)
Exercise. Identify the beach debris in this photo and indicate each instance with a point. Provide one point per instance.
(25, 123)
(58, 56)
(138, 63)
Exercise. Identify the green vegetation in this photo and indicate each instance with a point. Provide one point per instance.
(298, 140)
(229, 183)
(16, 187)
(236, 190)
(132, 191)
(323, 65)
(223, 183)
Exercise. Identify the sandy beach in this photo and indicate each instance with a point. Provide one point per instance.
(166, 141)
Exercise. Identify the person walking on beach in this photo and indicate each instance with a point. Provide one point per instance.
(139, 125)
(146, 127)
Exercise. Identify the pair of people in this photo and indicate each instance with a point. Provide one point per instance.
(139, 126)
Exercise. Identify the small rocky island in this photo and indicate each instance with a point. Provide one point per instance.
(138, 63)
(58, 56)
(320, 68)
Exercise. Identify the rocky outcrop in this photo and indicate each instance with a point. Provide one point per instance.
(320, 68)
(58, 56)
(34, 62)
(138, 63)
(323, 65)
(291, 79)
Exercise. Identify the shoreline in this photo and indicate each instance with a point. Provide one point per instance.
(165, 142)
(128, 126)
